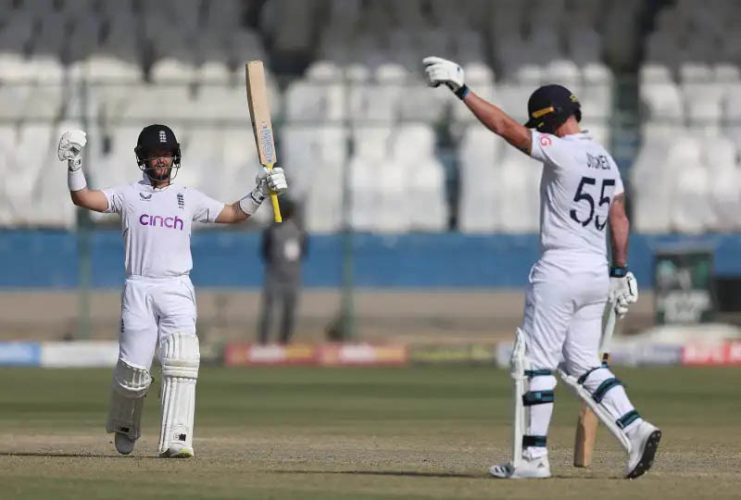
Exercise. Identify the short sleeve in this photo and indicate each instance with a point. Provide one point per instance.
(619, 188)
(115, 197)
(549, 149)
(205, 208)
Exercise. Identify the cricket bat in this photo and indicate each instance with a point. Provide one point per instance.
(257, 99)
(586, 427)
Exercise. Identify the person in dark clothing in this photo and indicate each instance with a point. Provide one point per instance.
(284, 246)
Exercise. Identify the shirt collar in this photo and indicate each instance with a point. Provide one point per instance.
(583, 134)
(146, 185)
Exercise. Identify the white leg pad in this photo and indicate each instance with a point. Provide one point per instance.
(597, 408)
(130, 385)
(180, 359)
(532, 387)
(517, 371)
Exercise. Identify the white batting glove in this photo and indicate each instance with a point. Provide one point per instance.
(70, 148)
(623, 290)
(268, 182)
(271, 181)
(441, 71)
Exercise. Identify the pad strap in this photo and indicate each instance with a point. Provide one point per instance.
(605, 386)
(532, 398)
(627, 419)
(537, 441)
(586, 374)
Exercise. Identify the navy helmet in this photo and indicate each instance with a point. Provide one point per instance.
(551, 105)
(153, 139)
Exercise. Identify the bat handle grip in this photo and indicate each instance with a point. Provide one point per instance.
(274, 200)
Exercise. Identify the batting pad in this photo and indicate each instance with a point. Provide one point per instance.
(532, 388)
(598, 407)
(180, 358)
(130, 385)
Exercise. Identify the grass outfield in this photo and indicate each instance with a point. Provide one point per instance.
(423, 432)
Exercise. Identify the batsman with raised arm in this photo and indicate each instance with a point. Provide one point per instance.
(581, 192)
(158, 306)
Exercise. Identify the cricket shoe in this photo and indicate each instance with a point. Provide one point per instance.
(536, 468)
(178, 452)
(644, 443)
(124, 444)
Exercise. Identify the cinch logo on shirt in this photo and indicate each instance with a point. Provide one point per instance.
(157, 220)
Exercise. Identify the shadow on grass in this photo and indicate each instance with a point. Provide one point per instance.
(443, 475)
(61, 454)
(384, 473)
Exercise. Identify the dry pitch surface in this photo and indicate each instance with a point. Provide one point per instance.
(424, 432)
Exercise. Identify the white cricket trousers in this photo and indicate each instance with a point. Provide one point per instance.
(563, 314)
(151, 310)
(563, 320)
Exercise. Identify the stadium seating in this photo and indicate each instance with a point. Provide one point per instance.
(688, 89)
(351, 97)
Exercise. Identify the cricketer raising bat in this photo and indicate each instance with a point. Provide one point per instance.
(257, 99)
(586, 427)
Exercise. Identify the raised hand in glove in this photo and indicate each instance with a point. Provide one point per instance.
(441, 71)
(70, 148)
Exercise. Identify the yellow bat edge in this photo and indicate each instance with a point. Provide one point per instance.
(277, 217)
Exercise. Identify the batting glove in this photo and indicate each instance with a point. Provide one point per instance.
(623, 289)
(271, 181)
(441, 71)
(268, 182)
(70, 148)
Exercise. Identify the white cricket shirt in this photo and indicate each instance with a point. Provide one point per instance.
(156, 225)
(579, 181)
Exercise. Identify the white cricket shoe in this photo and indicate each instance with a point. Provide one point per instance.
(644, 443)
(124, 444)
(177, 451)
(536, 468)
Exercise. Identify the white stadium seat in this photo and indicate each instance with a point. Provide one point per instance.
(479, 181)
(566, 73)
(519, 204)
(691, 211)
(663, 101)
(421, 103)
(372, 142)
(32, 153)
(171, 69)
(362, 102)
(725, 199)
(395, 197)
(424, 177)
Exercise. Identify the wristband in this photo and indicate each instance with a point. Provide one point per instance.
(462, 91)
(250, 203)
(618, 271)
(76, 180)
